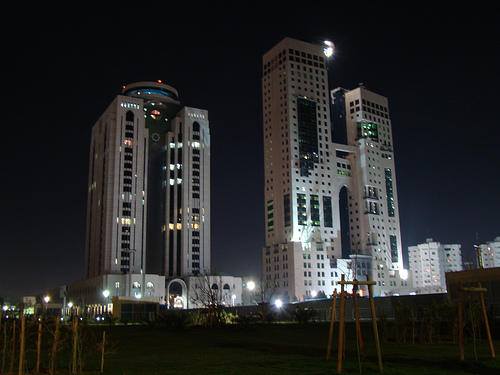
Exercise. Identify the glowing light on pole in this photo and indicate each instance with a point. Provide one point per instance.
(251, 285)
(278, 303)
(105, 293)
(329, 48)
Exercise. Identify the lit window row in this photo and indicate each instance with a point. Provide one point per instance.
(129, 105)
(172, 181)
(177, 226)
(196, 115)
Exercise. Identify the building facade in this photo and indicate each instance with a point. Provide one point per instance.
(430, 261)
(311, 162)
(490, 254)
(149, 188)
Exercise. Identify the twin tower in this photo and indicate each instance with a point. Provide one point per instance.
(330, 187)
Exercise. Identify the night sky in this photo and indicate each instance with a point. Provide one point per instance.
(62, 66)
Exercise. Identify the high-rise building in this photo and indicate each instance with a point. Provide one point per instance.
(373, 201)
(149, 187)
(490, 254)
(430, 261)
(330, 188)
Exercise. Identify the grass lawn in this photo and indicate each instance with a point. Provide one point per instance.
(276, 349)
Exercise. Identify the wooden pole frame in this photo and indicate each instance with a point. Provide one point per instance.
(22, 340)
(479, 290)
(74, 366)
(343, 295)
(374, 320)
(38, 345)
(332, 321)
(461, 321)
(341, 326)
(358, 324)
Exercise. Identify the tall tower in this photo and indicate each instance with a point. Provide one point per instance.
(301, 181)
(373, 209)
(312, 166)
(149, 186)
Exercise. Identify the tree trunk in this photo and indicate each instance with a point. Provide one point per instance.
(54, 348)
(38, 345)
(21, 345)
(102, 350)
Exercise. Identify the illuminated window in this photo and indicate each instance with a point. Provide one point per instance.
(136, 285)
(155, 114)
(126, 221)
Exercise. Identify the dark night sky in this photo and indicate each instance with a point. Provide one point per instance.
(62, 66)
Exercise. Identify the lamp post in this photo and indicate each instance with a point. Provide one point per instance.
(70, 309)
(46, 299)
(105, 293)
(250, 287)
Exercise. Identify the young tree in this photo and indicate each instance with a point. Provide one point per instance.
(208, 292)
(263, 294)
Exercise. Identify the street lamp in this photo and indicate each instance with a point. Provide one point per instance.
(70, 309)
(46, 299)
(251, 285)
(105, 293)
(233, 297)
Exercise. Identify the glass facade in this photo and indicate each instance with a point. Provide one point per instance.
(286, 208)
(301, 209)
(390, 192)
(327, 212)
(270, 215)
(308, 135)
(368, 130)
(394, 248)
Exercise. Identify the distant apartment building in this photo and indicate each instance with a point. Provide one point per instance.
(490, 254)
(430, 261)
